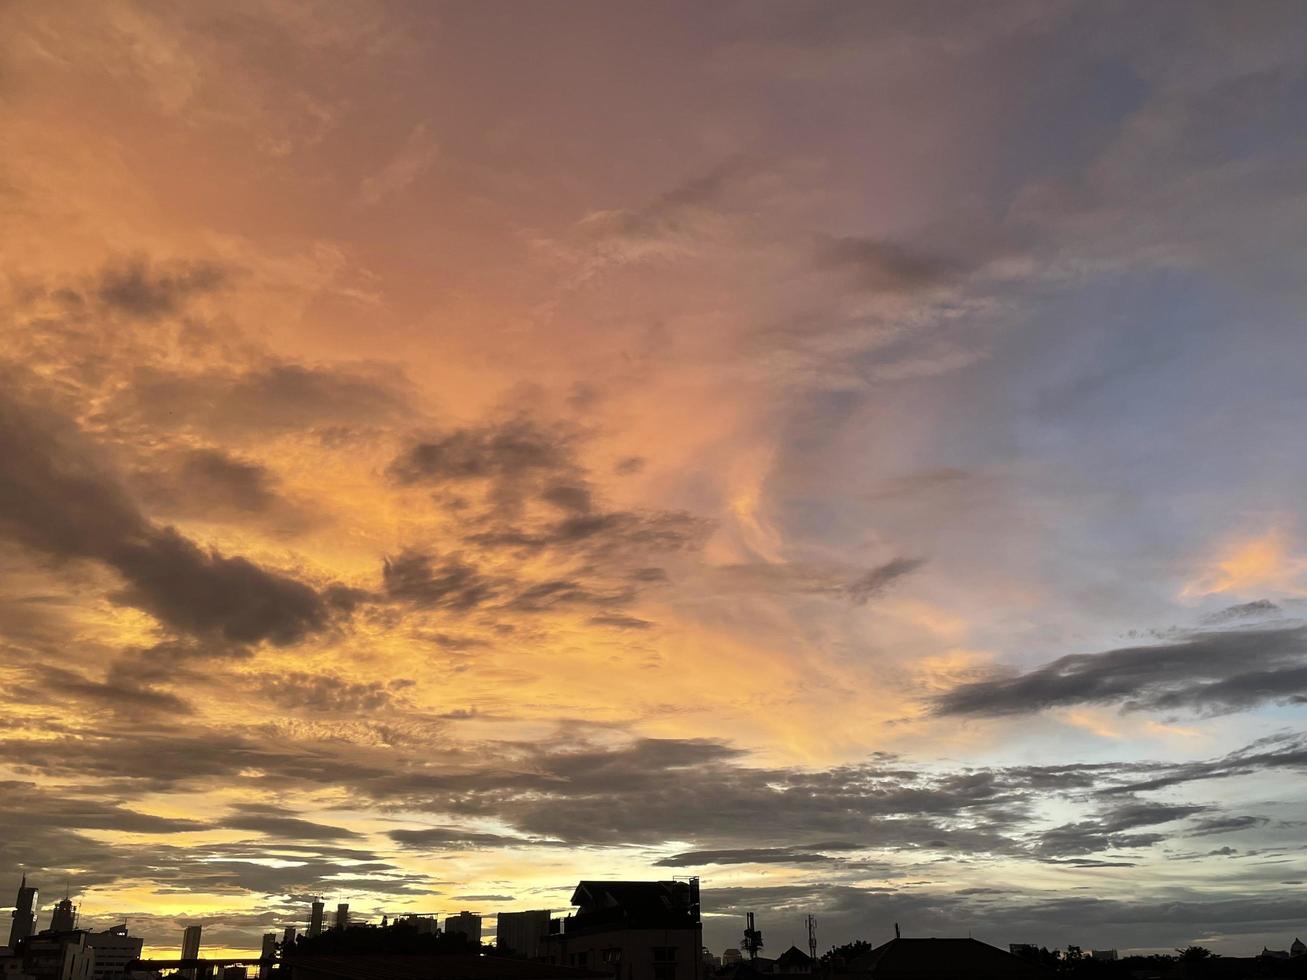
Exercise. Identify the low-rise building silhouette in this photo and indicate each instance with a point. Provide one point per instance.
(52, 956)
(522, 933)
(448, 966)
(793, 960)
(465, 924)
(632, 930)
(114, 950)
(940, 959)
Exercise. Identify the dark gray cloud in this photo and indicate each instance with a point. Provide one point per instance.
(135, 758)
(28, 805)
(1258, 609)
(1111, 830)
(490, 481)
(566, 594)
(744, 855)
(880, 266)
(1226, 825)
(619, 622)
(877, 580)
(140, 289)
(452, 838)
(270, 398)
(509, 452)
(569, 497)
(324, 693)
(444, 582)
(59, 498)
(118, 692)
(1210, 671)
(203, 592)
(212, 484)
(621, 535)
(1285, 752)
(273, 821)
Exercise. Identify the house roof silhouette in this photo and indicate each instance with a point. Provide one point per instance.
(943, 959)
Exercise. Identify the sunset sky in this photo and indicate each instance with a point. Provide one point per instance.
(853, 453)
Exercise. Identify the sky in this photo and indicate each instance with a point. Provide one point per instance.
(852, 453)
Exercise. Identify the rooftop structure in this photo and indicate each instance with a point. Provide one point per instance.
(634, 930)
(114, 949)
(941, 959)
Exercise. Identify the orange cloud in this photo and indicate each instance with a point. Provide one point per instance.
(1251, 566)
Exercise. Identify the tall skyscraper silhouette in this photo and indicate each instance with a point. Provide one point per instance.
(63, 918)
(267, 953)
(342, 915)
(24, 913)
(315, 921)
(190, 948)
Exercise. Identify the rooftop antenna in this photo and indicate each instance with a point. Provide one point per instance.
(896, 931)
(752, 938)
(812, 938)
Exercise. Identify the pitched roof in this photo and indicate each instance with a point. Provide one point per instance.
(931, 959)
(794, 957)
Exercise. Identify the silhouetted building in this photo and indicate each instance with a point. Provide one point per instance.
(56, 956)
(633, 930)
(941, 959)
(315, 918)
(114, 949)
(445, 966)
(288, 936)
(1103, 955)
(1274, 954)
(191, 950)
(1298, 948)
(793, 960)
(423, 925)
(342, 915)
(63, 917)
(267, 952)
(465, 923)
(731, 956)
(191, 942)
(24, 914)
(522, 933)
